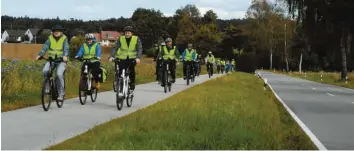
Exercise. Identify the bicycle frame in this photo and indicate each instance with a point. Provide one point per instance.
(85, 73)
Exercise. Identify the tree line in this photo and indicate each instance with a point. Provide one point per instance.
(303, 35)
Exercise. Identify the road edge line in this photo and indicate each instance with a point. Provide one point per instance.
(312, 136)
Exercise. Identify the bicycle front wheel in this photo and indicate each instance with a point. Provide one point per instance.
(82, 90)
(119, 99)
(188, 75)
(46, 94)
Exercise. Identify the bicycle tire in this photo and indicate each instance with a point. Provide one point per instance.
(46, 107)
(114, 83)
(165, 81)
(119, 101)
(82, 90)
(93, 94)
(187, 75)
(169, 83)
(129, 98)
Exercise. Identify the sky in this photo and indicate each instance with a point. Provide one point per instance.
(104, 9)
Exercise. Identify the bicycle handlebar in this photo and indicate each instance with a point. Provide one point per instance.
(50, 58)
(81, 59)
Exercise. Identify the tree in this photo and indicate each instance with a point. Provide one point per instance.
(186, 31)
(207, 38)
(210, 17)
(75, 44)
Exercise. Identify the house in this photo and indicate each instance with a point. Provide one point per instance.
(98, 37)
(12, 35)
(32, 34)
(109, 37)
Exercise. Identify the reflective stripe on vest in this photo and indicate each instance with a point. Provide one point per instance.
(189, 55)
(56, 47)
(89, 53)
(124, 51)
(169, 55)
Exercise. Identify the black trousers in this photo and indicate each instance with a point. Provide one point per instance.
(185, 63)
(158, 62)
(125, 64)
(95, 68)
(172, 65)
(210, 65)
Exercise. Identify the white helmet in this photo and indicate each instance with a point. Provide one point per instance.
(163, 44)
(89, 36)
(209, 52)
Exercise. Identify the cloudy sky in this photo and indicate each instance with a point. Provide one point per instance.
(103, 9)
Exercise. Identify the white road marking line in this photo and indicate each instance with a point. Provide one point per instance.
(313, 88)
(353, 102)
(312, 136)
(330, 94)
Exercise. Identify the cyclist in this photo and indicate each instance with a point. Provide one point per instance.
(187, 57)
(170, 53)
(210, 60)
(58, 47)
(128, 49)
(198, 63)
(89, 50)
(218, 65)
(233, 65)
(223, 65)
(158, 59)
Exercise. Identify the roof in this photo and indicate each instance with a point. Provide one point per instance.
(17, 33)
(109, 35)
(34, 31)
(98, 36)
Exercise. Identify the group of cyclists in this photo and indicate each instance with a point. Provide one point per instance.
(224, 65)
(126, 54)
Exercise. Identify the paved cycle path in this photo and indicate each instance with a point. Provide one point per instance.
(327, 111)
(33, 128)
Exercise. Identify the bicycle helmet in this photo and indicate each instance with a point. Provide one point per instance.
(163, 44)
(89, 36)
(209, 52)
(57, 28)
(168, 40)
(128, 28)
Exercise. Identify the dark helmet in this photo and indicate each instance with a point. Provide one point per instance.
(57, 28)
(128, 28)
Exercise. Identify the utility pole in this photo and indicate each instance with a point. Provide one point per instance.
(271, 49)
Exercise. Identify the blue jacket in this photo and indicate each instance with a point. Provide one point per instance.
(82, 50)
(194, 54)
(46, 46)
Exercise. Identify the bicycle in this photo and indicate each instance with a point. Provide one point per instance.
(85, 84)
(122, 86)
(197, 70)
(218, 68)
(209, 66)
(159, 72)
(166, 80)
(190, 70)
(49, 87)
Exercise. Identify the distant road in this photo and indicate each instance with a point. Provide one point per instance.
(327, 110)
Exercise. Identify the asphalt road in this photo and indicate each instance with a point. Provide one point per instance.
(327, 110)
(33, 129)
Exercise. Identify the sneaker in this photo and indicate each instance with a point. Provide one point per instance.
(60, 98)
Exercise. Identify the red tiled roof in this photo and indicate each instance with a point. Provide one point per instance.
(98, 37)
(109, 35)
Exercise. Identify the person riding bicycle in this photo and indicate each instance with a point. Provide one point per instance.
(128, 49)
(218, 65)
(89, 50)
(170, 53)
(58, 47)
(199, 62)
(233, 64)
(210, 61)
(222, 62)
(159, 59)
(188, 56)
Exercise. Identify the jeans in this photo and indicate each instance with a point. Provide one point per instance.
(95, 69)
(61, 66)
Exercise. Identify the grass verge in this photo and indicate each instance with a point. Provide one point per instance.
(238, 114)
(327, 77)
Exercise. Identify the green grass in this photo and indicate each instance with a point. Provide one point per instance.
(231, 112)
(327, 78)
(21, 84)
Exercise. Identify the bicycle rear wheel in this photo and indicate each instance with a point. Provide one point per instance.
(46, 94)
(82, 90)
(129, 97)
(169, 83)
(119, 100)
